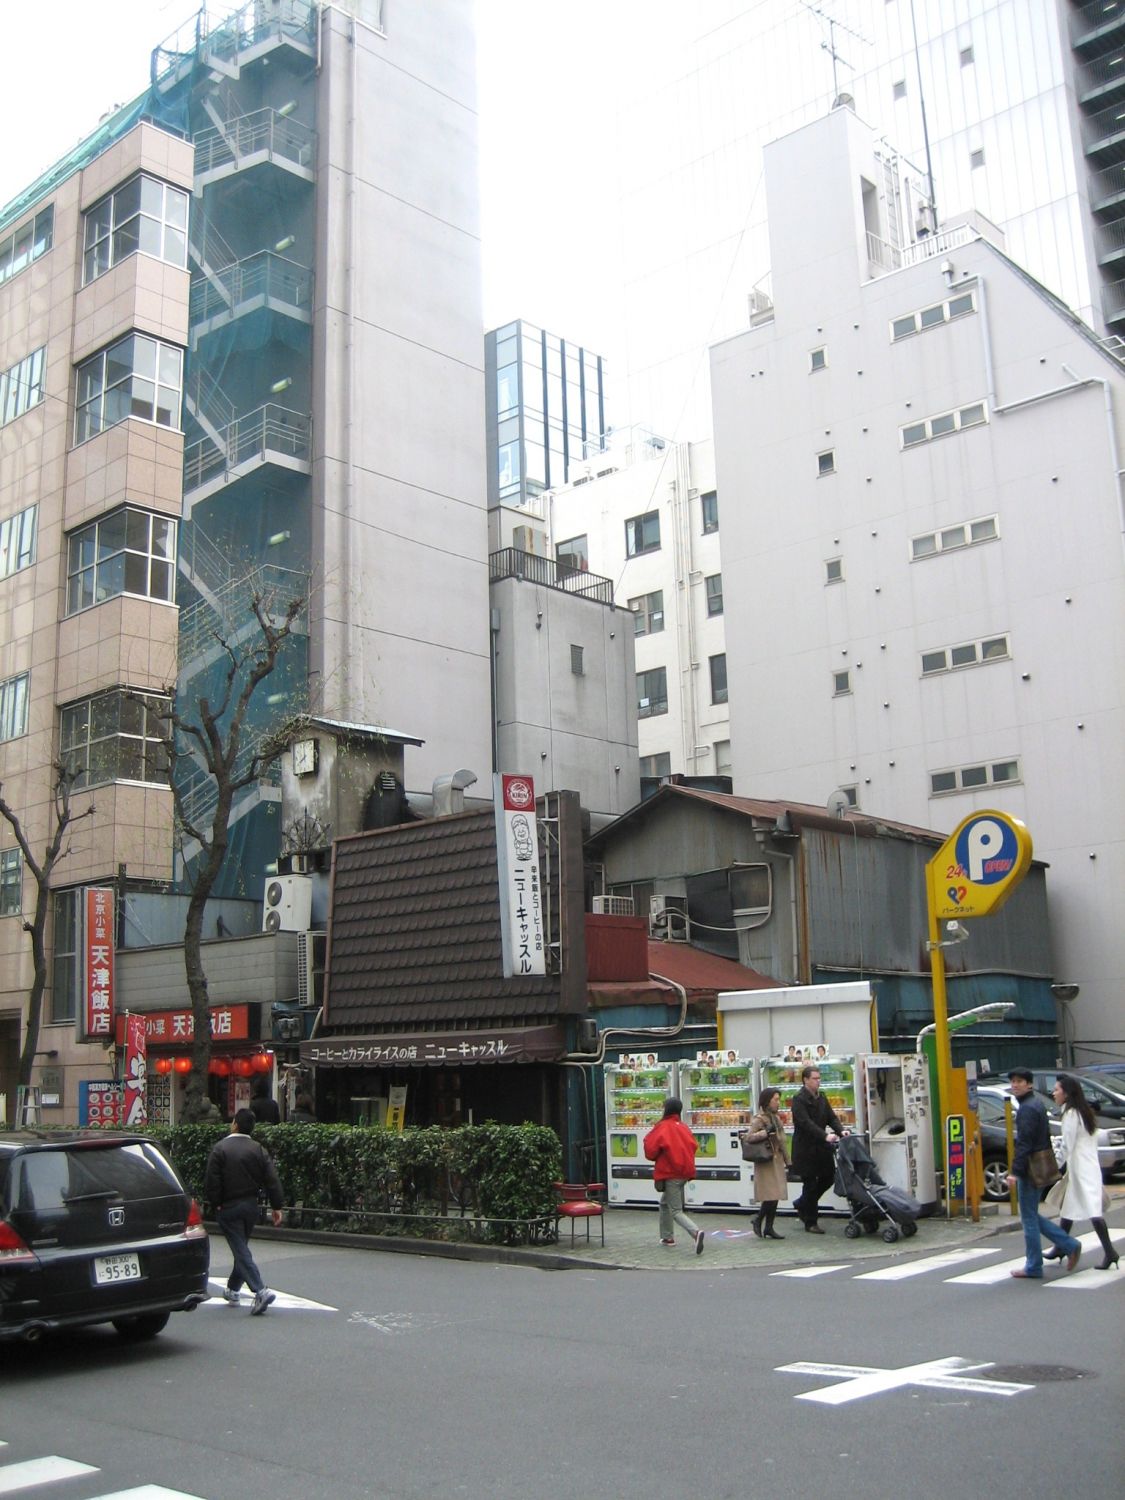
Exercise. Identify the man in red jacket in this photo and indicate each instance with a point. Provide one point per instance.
(672, 1147)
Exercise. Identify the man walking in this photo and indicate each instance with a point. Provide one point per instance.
(237, 1170)
(672, 1147)
(815, 1131)
(1033, 1133)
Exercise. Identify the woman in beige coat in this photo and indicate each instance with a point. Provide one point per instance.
(771, 1178)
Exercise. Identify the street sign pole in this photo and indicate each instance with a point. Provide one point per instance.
(942, 1050)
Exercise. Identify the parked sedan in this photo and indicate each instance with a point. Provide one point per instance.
(994, 1139)
(1105, 1091)
(95, 1229)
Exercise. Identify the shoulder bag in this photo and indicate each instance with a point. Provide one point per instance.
(1042, 1168)
(758, 1151)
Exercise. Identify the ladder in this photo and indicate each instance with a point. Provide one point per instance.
(27, 1106)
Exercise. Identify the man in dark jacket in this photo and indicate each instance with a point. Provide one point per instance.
(1033, 1133)
(263, 1106)
(237, 1171)
(815, 1131)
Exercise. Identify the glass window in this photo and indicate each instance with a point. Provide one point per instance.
(974, 776)
(834, 570)
(952, 536)
(967, 534)
(722, 757)
(994, 649)
(718, 665)
(818, 359)
(902, 328)
(652, 692)
(943, 781)
(709, 506)
(136, 377)
(115, 737)
(127, 552)
(13, 706)
(929, 317)
(841, 683)
(143, 215)
(970, 416)
(983, 531)
(17, 541)
(1006, 770)
(915, 432)
(964, 656)
(659, 764)
(714, 588)
(27, 243)
(65, 970)
(11, 883)
(507, 390)
(924, 546)
(826, 462)
(573, 555)
(576, 661)
(21, 387)
(971, 778)
(648, 613)
(934, 661)
(642, 534)
(751, 890)
(959, 306)
(939, 426)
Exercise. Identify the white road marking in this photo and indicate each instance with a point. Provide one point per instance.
(810, 1271)
(282, 1300)
(149, 1492)
(989, 1275)
(927, 1263)
(950, 1374)
(35, 1471)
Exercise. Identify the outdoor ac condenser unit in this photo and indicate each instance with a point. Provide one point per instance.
(288, 903)
(613, 906)
(668, 918)
(311, 954)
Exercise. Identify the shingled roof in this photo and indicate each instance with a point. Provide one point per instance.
(414, 932)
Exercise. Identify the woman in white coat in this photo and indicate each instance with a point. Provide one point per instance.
(1083, 1196)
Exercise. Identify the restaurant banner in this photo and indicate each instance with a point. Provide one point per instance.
(135, 1090)
(449, 1049)
(517, 861)
(171, 1028)
(100, 934)
(99, 1102)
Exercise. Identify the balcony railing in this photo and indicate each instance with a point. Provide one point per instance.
(510, 562)
(224, 42)
(266, 275)
(1104, 130)
(1095, 16)
(263, 132)
(271, 430)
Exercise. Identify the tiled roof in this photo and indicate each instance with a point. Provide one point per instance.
(414, 933)
(703, 975)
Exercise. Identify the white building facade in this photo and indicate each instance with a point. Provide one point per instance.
(925, 576)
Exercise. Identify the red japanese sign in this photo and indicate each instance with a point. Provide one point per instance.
(100, 1103)
(136, 1095)
(99, 961)
(170, 1028)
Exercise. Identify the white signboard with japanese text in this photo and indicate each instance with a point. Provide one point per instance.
(517, 859)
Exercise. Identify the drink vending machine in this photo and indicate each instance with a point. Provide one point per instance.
(837, 1084)
(718, 1094)
(635, 1091)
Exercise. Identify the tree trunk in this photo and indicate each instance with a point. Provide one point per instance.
(38, 985)
(196, 1102)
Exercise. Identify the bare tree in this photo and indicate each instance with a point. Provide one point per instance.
(215, 735)
(58, 847)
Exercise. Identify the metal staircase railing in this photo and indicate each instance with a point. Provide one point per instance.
(205, 566)
(222, 47)
(262, 132)
(265, 274)
(270, 430)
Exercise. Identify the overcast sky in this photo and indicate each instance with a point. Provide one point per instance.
(551, 74)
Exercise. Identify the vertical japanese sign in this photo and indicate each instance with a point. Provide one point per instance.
(99, 1103)
(955, 1156)
(517, 860)
(100, 934)
(396, 1107)
(135, 1090)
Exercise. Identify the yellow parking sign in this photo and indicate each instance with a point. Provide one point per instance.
(979, 866)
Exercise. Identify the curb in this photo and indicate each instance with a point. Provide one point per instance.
(504, 1255)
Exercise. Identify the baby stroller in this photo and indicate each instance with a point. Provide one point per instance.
(871, 1200)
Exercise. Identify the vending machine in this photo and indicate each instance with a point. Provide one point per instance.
(897, 1110)
(717, 1089)
(635, 1090)
(837, 1084)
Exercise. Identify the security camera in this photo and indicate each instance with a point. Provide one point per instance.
(956, 933)
(1064, 991)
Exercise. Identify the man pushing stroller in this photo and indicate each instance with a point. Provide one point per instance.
(815, 1132)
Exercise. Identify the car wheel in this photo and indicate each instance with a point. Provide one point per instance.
(143, 1326)
(996, 1179)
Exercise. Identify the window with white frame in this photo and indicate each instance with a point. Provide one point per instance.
(722, 757)
(11, 883)
(841, 683)
(652, 692)
(130, 551)
(27, 243)
(136, 377)
(17, 541)
(13, 706)
(826, 463)
(834, 570)
(115, 736)
(713, 587)
(950, 538)
(659, 764)
(65, 966)
(969, 654)
(709, 510)
(718, 666)
(648, 613)
(972, 778)
(21, 387)
(642, 534)
(818, 360)
(144, 216)
(934, 316)
(943, 424)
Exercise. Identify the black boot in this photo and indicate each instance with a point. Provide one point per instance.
(1056, 1253)
(1111, 1257)
(756, 1223)
(770, 1232)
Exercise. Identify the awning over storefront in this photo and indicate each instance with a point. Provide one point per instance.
(437, 1049)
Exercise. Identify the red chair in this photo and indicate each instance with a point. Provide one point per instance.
(576, 1201)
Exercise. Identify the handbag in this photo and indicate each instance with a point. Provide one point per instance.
(757, 1151)
(1053, 1202)
(1042, 1168)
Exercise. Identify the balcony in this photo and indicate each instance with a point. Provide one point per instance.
(1098, 26)
(224, 50)
(1103, 134)
(271, 435)
(243, 142)
(510, 562)
(1101, 81)
(265, 280)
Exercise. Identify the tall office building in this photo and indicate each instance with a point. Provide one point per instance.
(239, 353)
(1020, 104)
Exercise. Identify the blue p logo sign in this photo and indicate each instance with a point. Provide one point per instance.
(988, 850)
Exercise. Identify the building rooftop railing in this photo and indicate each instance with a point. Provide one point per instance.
(510, 562)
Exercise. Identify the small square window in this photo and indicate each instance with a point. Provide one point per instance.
(915, 433)
(659, 764)
(852, 794)
(826, 462)
(952, 536)
(959, 306)
(995, 649)
(966, 57)
(709, 508)
(898, 90)
(841, 683)
(964, 656)
(974, 776)
(834, 570)
(930, 317)
(902, 328)
(714, 590)
(818, 359)
(1006, 770)
(576, 660)
(934, 661)
(718, 666)
(983, 530)
(943, 781)
(924, 546)
(939, 426)
(970, 416)
(976, 158)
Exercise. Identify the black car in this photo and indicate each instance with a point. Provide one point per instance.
(95, 1229)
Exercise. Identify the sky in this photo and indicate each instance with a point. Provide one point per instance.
(560, 65)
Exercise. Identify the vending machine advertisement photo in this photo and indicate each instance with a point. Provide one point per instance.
(635, 1090)
(717, 1089)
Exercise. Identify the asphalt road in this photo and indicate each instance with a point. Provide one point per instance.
(422, 1378)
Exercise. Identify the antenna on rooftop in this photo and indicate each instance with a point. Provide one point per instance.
(830, 45)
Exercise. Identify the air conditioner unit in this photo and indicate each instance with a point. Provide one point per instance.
(288, 903)
(613, 906)
(668, 918)
(530, 539)
(312, 948)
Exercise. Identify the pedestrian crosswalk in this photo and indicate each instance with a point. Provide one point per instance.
(35, 1473)
(1087, 1278)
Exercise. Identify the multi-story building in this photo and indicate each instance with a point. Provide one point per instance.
(924, 573)
(239, 353)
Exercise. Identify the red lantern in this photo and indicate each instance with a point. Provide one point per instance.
(220, 1066)
(182, 1064)
(262, 1062)
(162, 1065)
(243, 1067)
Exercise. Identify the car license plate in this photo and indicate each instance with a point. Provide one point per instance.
(111, 1268)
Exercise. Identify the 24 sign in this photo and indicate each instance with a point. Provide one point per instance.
(979, 865)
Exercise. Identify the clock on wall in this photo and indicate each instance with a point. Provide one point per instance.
(305, 757)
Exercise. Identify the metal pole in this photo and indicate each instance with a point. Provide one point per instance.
(925, 127)
(941, 1016)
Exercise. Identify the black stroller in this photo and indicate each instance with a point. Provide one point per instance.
(871, 1200)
